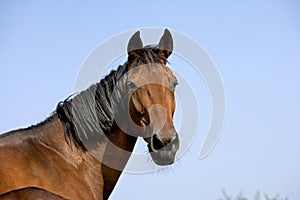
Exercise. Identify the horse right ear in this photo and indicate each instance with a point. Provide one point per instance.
(135, 43)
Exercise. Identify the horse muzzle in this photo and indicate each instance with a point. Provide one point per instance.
(163, 149)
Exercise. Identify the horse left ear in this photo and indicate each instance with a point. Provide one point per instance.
(166, 44)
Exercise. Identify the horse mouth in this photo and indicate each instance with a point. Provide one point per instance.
(164, 156)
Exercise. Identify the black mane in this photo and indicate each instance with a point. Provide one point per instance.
(90, 113)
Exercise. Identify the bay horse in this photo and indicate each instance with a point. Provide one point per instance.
(80, 151)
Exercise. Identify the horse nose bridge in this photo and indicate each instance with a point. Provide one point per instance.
(160, 118)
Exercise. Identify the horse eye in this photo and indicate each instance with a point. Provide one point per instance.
(131, 85)
(175, 84)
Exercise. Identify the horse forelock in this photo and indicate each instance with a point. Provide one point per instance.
(149, 54)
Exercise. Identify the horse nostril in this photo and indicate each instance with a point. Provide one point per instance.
(157, 143)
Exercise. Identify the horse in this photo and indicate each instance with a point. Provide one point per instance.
(81, 149)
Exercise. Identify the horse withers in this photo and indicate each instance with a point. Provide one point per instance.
(80, 151)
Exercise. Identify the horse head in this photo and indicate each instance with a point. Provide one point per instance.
(152, 101)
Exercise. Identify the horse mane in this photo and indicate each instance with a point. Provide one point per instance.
(91, 111)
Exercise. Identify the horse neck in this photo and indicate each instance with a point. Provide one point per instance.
(119, 147)
(50, 134)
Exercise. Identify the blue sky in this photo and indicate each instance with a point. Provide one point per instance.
(254, 44)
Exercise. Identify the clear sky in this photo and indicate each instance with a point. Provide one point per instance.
(255, 45)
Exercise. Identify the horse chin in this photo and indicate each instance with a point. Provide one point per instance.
(163, 157)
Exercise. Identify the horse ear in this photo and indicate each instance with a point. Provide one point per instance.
(166, 44)
(135, 43)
